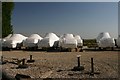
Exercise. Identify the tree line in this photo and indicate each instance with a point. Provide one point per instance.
(7, 27)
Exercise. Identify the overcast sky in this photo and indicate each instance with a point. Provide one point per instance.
(86, 19)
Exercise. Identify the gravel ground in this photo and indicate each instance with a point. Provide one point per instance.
(59, 64)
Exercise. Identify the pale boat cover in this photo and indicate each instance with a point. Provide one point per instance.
(118, 41)
(4, 39)
(104, 40)
(79, 40)
(14, 40)
(103, 35)
(68, 41)
(48, 40)
(32, 40)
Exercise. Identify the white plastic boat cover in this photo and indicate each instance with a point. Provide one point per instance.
(79, 40)
(68, 36)
(14, 40)
(106, 42)
(48, 40)
(52, 36)
(18, 37)
(8, 36)
(32, 40)
(118, 41)
(103, 35)
(35, 36)
(4, 39)
(68, 41)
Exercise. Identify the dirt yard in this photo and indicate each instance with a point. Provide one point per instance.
(59, 64)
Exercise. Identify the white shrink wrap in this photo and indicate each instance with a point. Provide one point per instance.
(118, 41)
(14, 40)
(68, 41)
(79, 41)
(103, 35)
(48, 40)
(31, 41)
(104, 40)
(4, 39)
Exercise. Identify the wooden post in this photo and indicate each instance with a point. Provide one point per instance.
(92, 66)
(23, 62)
(1, 58)
(30, 57)
(78, 57)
